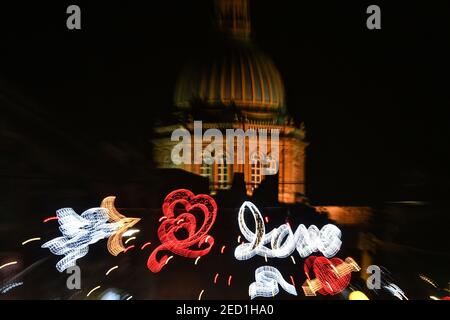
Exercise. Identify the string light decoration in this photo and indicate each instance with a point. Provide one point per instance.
(115, 241)
(10, 286)
(266, 285)
(283, 241)
(332, 276)
(186, 221)
(78, 233)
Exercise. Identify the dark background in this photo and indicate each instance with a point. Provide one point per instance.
(374, 102)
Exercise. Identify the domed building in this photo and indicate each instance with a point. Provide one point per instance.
(236, 86)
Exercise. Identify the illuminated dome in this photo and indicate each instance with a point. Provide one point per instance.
(236, 74)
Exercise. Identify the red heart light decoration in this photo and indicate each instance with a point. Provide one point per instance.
(332, 275)
(184, 221)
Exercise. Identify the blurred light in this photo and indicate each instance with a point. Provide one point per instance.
(131, 232)
(222, 250)
(357, 295)
(110, 295)
(229, 280)
(130, 239)
(129, 298)
(50, 219)
(145, 245)
(10, 286)
(128, 248)
(395, 291)
(215, 278)
(434, 298)
(168, 259)
(90, 292)
(8, 264)
(292, 281)
(428, 280)
(293, 260)
(110, 270)
(30, 240)
(266, 219)
(162, 218)
(196, 260)
(200, 295)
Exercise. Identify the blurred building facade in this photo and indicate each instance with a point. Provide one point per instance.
(236, 86)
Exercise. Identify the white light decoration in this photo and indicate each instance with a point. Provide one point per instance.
(267, 281)
(78, 233)
(10, 286)
(282, 240)
(396, 291)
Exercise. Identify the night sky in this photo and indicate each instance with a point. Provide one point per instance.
(374, 102)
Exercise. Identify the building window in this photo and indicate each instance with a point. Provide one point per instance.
(256, 175)
(222, 174)
(206, 168)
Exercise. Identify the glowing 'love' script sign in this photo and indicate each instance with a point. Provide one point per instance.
(282, 241)
(171, 224)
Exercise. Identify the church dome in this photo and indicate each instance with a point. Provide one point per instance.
(235, 74)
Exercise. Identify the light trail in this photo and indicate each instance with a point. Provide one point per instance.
(30, 240)
(112, 269)
(90, 292)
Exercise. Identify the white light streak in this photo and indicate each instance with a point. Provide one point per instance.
(30, 240)
(396, 291)
(196, 260)
(293, 260)
(112, 269)
(10, 286)
(168, 259)
(130, 232)
(200, 295)
(90, 292)
(130, 239)
(8, 264)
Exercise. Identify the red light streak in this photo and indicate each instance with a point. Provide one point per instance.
(50, 219)
(292, 281)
